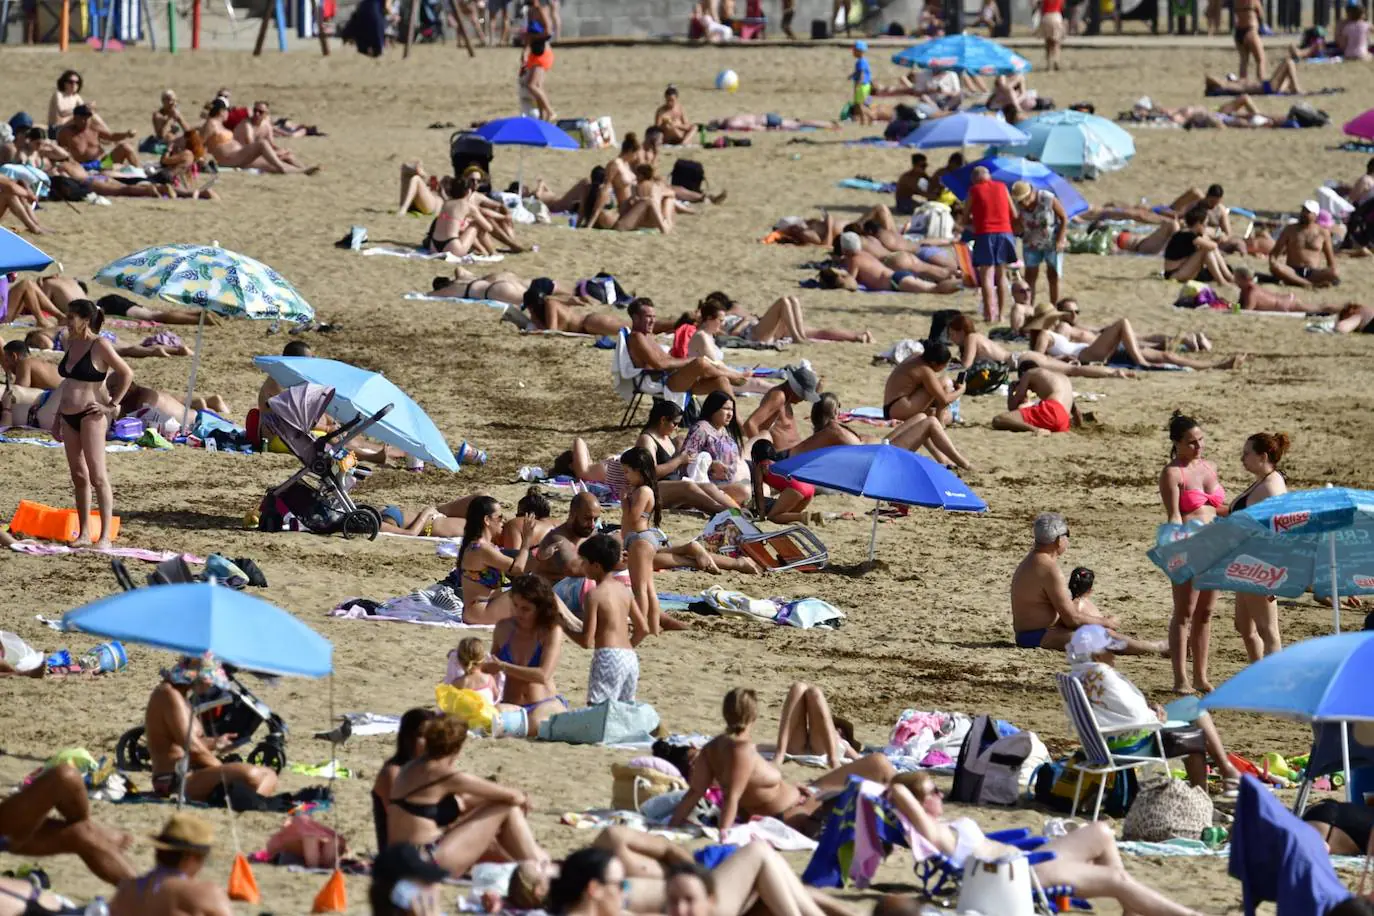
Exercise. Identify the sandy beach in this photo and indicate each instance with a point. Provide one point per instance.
(928, 627)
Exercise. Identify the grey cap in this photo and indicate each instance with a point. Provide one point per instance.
(850, 243)
(1049, 527)
(803, 381)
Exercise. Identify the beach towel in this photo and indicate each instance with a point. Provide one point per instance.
(421, 254)
(436, 606)
(44, 549)
(373, 723)
(867, 184)
(861, 824)
(769, 830)
(1276, 857)
(430, 297)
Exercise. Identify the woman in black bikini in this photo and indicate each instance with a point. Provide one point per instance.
(1345, 826)
(1190, 255)
(97, 380)
(1257, 616)
(20, 898)
(409, 746)
(456, 816)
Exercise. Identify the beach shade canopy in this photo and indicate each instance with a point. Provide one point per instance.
(1327, 679)
(358, 392)
(963, 53)
(1011, 169)
(964, 130)
(1318, 539)
(525, 132)
(1361, 126)
(207, 277)
(196, 618)
(882, 472)
(1073, 143)
(16, 254)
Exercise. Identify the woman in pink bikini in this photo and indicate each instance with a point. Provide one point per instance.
(1191, 492)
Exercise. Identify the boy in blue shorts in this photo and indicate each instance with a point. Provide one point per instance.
(862, 78)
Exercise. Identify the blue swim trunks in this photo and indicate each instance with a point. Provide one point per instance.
(1030, 639)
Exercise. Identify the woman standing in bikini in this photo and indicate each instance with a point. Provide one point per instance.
(1191, 492)
(482, 564)
(1249, 16)
(525, 649)
(639, 508)
(97, 379)
(1257, 616)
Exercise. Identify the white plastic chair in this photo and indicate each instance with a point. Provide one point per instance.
(1100, 760)
(632, 383)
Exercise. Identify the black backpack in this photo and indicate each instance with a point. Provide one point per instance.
(689, 174)
(1304, 114)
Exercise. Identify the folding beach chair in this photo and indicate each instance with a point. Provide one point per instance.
(1100, 760)
(793, 547)
(633, 383)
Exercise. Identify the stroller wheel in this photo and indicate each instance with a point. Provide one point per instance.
(363, 521)
(268, 754)
(131, 753)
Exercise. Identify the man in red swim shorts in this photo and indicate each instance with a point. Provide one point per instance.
(1052, 414)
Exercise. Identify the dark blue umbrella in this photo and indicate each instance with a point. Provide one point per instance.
(1011, 169)
(524, 132)
(17, 254)
(963, 129)
(882, 472)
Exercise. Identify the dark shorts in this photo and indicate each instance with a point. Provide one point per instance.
(165, 785)
(1031, 639)
(1242, 32)
(993, 249)
(898, 276)
(773, 120)
(116, 305)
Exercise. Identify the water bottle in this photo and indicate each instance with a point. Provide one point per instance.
(97, 907)
(572, 220)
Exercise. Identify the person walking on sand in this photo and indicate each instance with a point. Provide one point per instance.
(1052, 30)
(994, 246)
(862, 78)
(607, 611)
(1248, 17)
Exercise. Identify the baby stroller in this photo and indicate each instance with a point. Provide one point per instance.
(233, 711)
(324, 506)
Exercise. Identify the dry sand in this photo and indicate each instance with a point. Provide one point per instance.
(929, 628)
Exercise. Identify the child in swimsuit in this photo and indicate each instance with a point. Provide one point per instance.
(464, 670)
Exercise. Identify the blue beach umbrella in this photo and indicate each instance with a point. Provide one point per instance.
(882, 472)
(17, 254)
(1074, 143)
(963, 53)
(524, 132)
(358, 392)
(964, 129)
(1011, 169)
(196, 618)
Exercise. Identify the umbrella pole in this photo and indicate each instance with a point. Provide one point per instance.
(1335, 586)
(873, 534)
(195, 365)
(1345, 761)
(520, 174)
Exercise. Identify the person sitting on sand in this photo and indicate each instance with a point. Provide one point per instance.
(409, 744)
(860, 270)
(168, 122)
(64, 101)
(174, 886)
(1218, 220)
(456, 815)
(51, 816)
(1303, 254)
(717, 435)
(921, 431)
(1283, 81)
(917, 385)
(773, 417)
(24, 369)
(1044, 614)
(166, 721)
(16, 198)
(483, 565)
(672, 120)
(1085, 859)
(1055, 412)
(83, 139)
(745, 122)
(1070, 326)
(33, 149)
(753, 787)
(1131, 722)
(258, 127)
(974, 345)
(698, 376)
(792, 497)
(1191, 255)
(534, 504)
(806, 726)
(1052, 331)
(649, 205)
(525, 648)
(231, 153)
(463, 224)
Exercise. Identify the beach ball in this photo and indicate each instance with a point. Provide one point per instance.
(727, 80)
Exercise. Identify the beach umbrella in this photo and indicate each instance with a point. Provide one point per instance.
(17, 254)
(206, 277)
(1073, 143)
(1361, 126)
(963, 130)
(1327, 679)
(885, 473)
(1319, 539)
(523, 132)
(963, 53)
(198, 617)
(358, 392)
(1011, 169)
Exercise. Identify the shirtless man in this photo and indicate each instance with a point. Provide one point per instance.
(800, 231)
(1284, 81)
(862, 269)
(774, 417)
(26, 370)
(699, 376)
(172, 889)
(258, 127)
(918, 386)
(167, 120)
(35, 408)
(974, 345)
(1255, 298)
(1054, 413)
(165, 722)
(556, 556)
(270, 388)
(36, 150)
(82, 138)
(1043, 613)
(672, 120)
(913, 183)
(1301, 250)
(26, 830)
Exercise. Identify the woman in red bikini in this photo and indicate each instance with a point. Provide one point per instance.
(1191, 492)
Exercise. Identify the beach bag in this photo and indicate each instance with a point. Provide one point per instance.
(1168, 808)
(68, 189)
(611, 722)
(985, 376)
(1053, 786)
(935, 220)
(1002, 887)
(1305, 114)
(689, 174)
(993, 770)
(632, 786)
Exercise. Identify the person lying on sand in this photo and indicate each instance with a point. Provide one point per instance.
(549, 312)
(501, 286)
(1086, 859)
(974, 346)
(1283, 81)
(783, 319)
(1303, 254)
(1052, 331)
(1239, 112)
(173, 886)
(797, 230)
(1070, 326)
(1055, 412)
(1355, 319)
(84, 139)
(166, 721)
(159, 345)
(445, 521)
(1255, 298)
(21, 897)
(731, 759)
(35, 408)
(232, 153)
(51, 816)
(162, 404)
(1044, 614)
(674, 492)
(879, 225)
(419, 190)
(860, 270)
(63, 290)
(769, 121)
